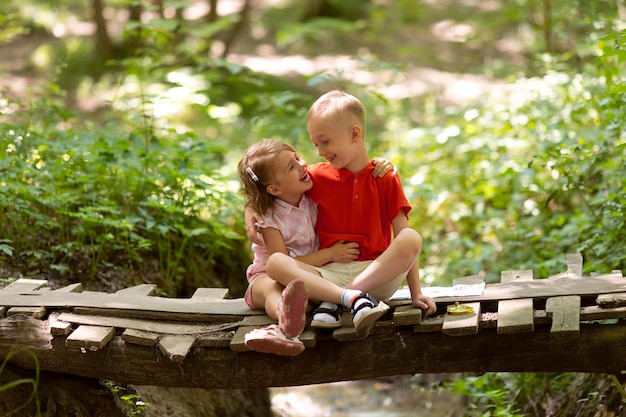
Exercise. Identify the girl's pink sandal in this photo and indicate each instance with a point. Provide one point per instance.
(271, 339)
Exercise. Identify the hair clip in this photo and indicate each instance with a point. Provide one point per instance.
(252, 174)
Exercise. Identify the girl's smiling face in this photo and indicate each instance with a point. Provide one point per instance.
(291, 178)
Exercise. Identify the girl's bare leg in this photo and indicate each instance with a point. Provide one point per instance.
(284, 269)
(265, 294)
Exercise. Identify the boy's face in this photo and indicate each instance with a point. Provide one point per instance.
(335, 140)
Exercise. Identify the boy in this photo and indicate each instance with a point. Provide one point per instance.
(353, 207)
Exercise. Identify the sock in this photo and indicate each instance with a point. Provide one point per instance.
(348, 296)
(325, 317)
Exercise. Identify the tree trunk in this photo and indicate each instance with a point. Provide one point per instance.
(104, 47)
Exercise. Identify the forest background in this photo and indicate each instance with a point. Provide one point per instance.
(122, 121)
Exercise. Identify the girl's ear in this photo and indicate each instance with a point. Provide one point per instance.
(273, 190)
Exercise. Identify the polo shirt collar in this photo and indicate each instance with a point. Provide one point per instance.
(344, 174)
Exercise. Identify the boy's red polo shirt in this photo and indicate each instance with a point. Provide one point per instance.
(356, 207)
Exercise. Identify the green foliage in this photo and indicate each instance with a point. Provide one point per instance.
(113, 194)
(535, 394)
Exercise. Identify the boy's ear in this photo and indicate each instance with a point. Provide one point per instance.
(273, 190)
(355, 132)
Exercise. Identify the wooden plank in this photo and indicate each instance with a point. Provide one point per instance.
(308, 337)
(611, 300)
(516, 316)
(90, 338)
(468, 280)
(209, 293)
(25, 285)
(258, 321)
(191, 309)
(140, 337)
(465, 324)
(60, 328)
(565, 313)
(76, 287)
(176, 347)
(590, 313)
(407, 315)
(146, 325)
(545, 288)
(574, 264)
(429, 324)
(237, 344)
(138, 290)
(35, 312)
(215, 340)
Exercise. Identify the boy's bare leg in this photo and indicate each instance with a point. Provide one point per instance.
(399, 257)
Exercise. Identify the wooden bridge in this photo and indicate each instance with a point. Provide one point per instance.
(568, 322)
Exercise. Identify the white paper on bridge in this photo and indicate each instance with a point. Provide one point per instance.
(459, 290)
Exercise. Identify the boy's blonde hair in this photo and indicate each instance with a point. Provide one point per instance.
(256, 172)
(338, 104)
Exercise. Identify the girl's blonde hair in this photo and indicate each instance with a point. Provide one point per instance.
(256, 172)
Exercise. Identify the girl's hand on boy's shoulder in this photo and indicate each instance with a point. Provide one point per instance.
(382, 166)
(344, 252)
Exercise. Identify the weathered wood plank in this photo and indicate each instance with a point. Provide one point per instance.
(565, 313)
(91, 338)
(545, 288)
(176, 347)
(215, 340)
(611, 300)
(429, 324)
(574, 264)
(60, 328)
(238, 344)
(76, 287)
(147, 325)
(262, 320)
(589, 313)
(35, 312)
(209, 293)
(407, 315)
(25, 285)
(140, 337)
(133, 306)
(516, 316)
(138, 290)
(465, 324)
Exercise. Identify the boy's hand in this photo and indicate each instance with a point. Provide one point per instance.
(382, 166)
(344, 252)
(425, 303)
(252, 218)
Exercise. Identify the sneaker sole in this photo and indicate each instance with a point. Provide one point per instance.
(371, 316)
(326, 324)
(275, 346)
(295, 300)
